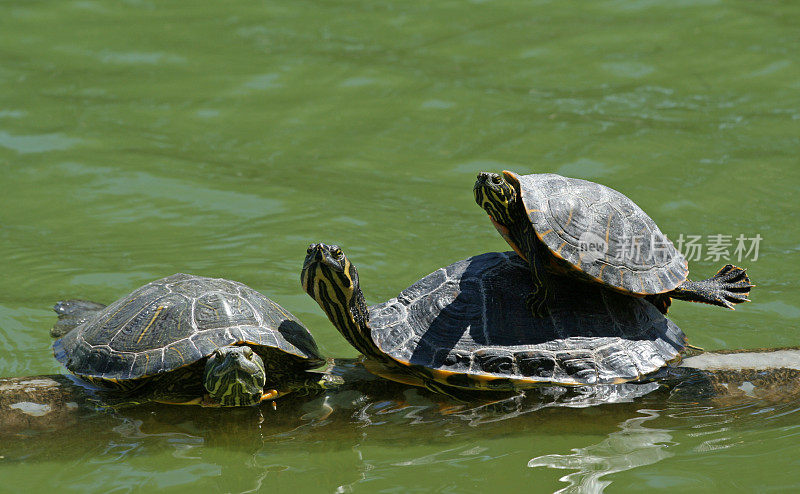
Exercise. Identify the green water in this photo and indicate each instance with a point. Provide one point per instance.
(139, 139)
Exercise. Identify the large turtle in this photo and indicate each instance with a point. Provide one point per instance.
(189, 340)
(593, 232)
(465, 326)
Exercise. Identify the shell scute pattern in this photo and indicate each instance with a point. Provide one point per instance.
(195, 286)
(592, 335)
(98, 359)
(536, 364)
(182, 352)
(395, 336)
(116, 316)
(148, 364)
(418, 289)
(458, 360)
(621, 361)
(638, 258)
(158, 322)
(176, 321)
(219, 309)
(494, 361)
(291, 336)
(580, 365)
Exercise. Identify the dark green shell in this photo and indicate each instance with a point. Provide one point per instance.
(568, 214)
(467, 325)
(176, 321)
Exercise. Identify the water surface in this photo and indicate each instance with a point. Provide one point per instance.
(139, 139)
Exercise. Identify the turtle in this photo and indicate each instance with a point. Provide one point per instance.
(597, 234)
(465, 327)
(187, 339)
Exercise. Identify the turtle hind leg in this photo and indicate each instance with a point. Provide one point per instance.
(728, 287)
(73, 313)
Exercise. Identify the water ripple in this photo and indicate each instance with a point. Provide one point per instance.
(634, 445)
(41, 143)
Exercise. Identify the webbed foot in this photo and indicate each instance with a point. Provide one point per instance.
(734, 286)
(728, 287)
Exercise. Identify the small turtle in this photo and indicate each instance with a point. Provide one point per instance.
(593, 232)
(465, 326)
(189, 340)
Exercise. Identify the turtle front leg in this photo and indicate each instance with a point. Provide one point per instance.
(538, 299)
(317, 381)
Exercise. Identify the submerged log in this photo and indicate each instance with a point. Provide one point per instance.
(58, 402)
(44, 402)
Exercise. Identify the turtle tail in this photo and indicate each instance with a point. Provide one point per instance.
(71, 314)
(728, 287)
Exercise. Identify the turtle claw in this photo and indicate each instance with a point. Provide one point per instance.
(730, 286)
(269, 394)
(725, 303)
(734, 284)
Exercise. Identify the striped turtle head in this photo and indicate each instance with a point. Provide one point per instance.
(235, 376)
(497, 196)
(332, 281)
(328, 276)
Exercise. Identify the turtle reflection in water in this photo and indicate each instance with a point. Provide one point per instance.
(551, 221)
(60, 402)
(188, 340)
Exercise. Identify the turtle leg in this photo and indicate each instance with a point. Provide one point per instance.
(314, 382)
(537, 300)
(729, 286)
(73, 313)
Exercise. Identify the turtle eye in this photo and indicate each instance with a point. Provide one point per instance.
(496, 180)
(217, 354)
(337, 253)
(310, 249)
(248, 352)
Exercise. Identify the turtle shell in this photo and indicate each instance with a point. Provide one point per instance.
(466, 325)
(601, 233)
(177, 321)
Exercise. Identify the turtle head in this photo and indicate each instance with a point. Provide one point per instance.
(496, 195)
(332, 281)
(328, 275)
(235, 376)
